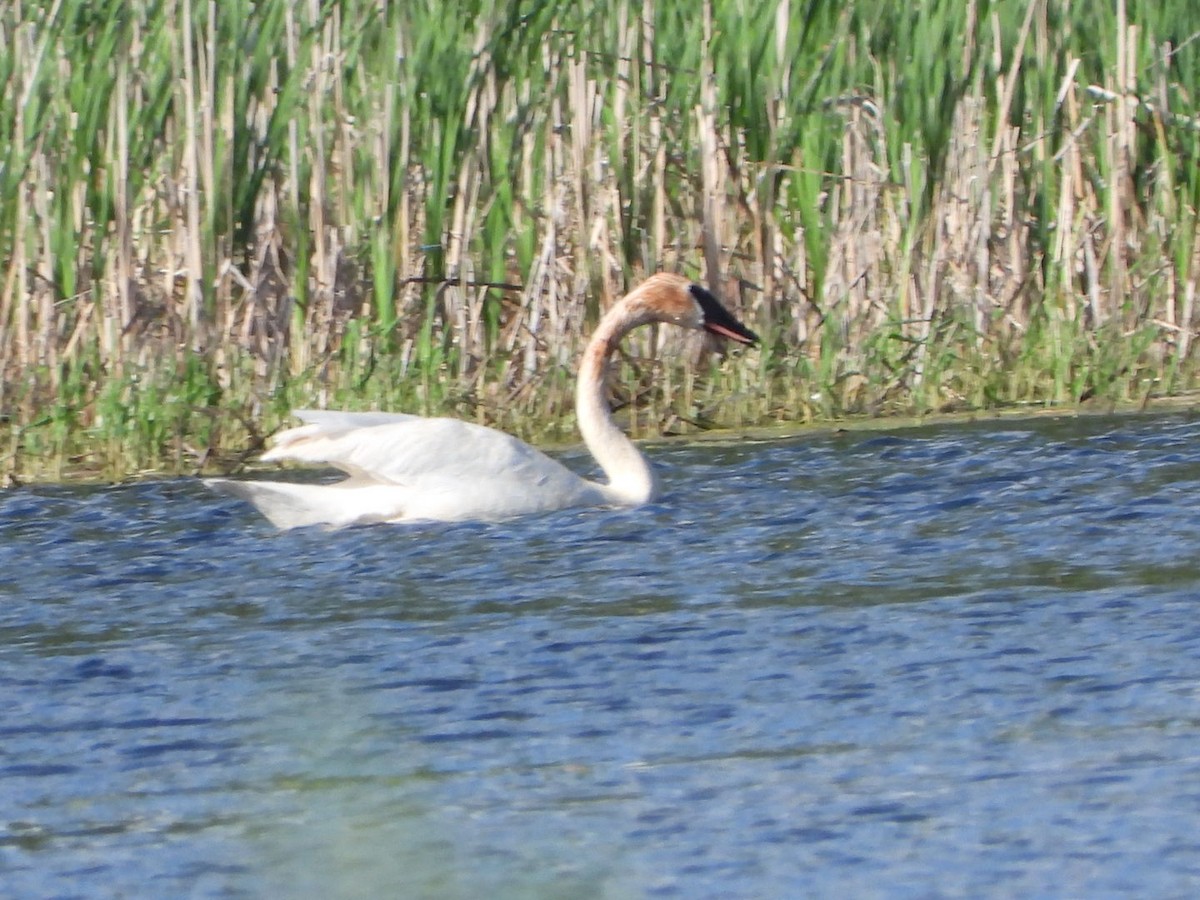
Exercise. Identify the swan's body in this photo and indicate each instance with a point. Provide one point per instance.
(408, 468)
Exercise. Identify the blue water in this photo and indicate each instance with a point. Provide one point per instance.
(954, 661)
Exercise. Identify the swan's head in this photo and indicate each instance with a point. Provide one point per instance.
(672, 298)
(716, 319)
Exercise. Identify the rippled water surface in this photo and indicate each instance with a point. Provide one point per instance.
(948, 661)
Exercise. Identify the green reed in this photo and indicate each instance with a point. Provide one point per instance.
(210, 213)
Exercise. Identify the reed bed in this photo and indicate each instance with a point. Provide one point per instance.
(212, 212)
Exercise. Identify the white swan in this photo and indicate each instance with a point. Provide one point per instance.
(407, 468)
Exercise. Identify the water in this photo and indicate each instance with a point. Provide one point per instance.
(957, 661)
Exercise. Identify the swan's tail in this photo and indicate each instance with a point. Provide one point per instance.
(289, 505)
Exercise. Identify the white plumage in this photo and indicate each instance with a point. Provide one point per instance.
(408, 468)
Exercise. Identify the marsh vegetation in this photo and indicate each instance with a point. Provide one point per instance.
(213, 212)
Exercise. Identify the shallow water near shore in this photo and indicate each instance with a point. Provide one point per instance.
(960, 660)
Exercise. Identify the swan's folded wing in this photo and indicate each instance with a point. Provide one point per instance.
(337, 420)
(316, 441)
(416, 468)
(303, 441)
(414, 450)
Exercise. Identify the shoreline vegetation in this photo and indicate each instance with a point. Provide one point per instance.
(211, 213)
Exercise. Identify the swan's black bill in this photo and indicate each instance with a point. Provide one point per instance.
(719, 320)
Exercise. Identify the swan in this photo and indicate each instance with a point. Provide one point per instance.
(404, 468)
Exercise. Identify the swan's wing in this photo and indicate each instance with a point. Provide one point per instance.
(322, 426)
(336, 420)
(396, 450)
(410, 468)
(326, 425)
(415, 451)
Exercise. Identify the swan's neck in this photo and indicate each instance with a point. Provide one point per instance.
(630, 479)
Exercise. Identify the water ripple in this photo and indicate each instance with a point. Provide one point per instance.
(958, 658)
